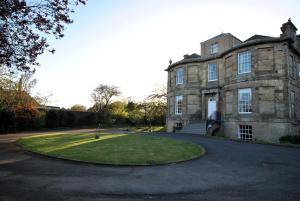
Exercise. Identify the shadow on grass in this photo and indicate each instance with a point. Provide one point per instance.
(115, 149)
(48, 144)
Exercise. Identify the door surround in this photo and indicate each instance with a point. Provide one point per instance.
(206, 95)
(211, 105)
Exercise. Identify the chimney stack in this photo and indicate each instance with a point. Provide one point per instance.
(289, 31)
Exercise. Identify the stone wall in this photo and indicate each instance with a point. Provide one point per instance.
(272, 79)
(262, 131)
(225, 42)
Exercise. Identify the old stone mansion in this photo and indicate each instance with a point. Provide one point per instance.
(247, 90)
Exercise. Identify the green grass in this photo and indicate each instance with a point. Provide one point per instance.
(137, 129)
(116, 149)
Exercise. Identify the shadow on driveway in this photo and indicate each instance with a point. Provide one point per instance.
(229, 171)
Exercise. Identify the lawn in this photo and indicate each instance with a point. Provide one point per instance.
(137, 128)
(116, 149)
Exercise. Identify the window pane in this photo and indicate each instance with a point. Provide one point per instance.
(244, 62)
(179, 76)
(245, 132)
(178, 105)
(212, 72)
(214, 48)
(245, 99)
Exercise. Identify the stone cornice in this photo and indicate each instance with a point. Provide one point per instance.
(242, 45)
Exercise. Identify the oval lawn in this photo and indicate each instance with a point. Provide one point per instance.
(114, 149)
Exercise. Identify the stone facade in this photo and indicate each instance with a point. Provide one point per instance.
(254, 84)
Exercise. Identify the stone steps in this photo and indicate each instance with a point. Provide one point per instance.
(194, 128)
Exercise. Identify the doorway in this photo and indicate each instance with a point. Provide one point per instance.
(211, 106)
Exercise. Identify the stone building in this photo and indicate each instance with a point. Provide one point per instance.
(248, 90)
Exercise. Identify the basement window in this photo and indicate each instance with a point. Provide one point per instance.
(245, 132)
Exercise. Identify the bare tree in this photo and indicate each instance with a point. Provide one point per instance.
(26, 82)
(154, 106)
(102, 96)
(159, 94)
(43, 99)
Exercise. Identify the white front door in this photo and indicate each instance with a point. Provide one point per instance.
(211, 106)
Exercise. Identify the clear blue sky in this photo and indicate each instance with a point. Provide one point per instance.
(128, 43)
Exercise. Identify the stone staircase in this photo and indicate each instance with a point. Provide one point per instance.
(194, 128)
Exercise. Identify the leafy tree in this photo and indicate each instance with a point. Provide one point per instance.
(136, 115)
(78, 108)
(118, 108)
(24, 25)
(117, 112)
(102, 95)
(131, 106)
(6, 84)
(16, 103)
(15, 94)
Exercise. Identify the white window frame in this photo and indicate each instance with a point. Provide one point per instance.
(178, 105)
(214, 48)
(179, 75)
(247, 104)
(245, 132)
(212, 72)
(244, 62)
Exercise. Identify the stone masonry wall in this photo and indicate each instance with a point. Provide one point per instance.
(271, 81)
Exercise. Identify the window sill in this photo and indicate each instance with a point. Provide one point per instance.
(245, 73)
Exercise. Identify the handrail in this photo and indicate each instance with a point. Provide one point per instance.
(176, 128)
(214, 118)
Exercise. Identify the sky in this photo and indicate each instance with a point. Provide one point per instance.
(128, 43)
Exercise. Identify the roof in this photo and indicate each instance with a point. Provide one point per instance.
(194, 55)
(258, 37)
(242, 45)
(222, 35)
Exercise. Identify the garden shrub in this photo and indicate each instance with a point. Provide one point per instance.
(294, 139)
(7, 122)
(51, 119)
(39, 120)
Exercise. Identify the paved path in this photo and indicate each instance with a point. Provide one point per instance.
(229, 171)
